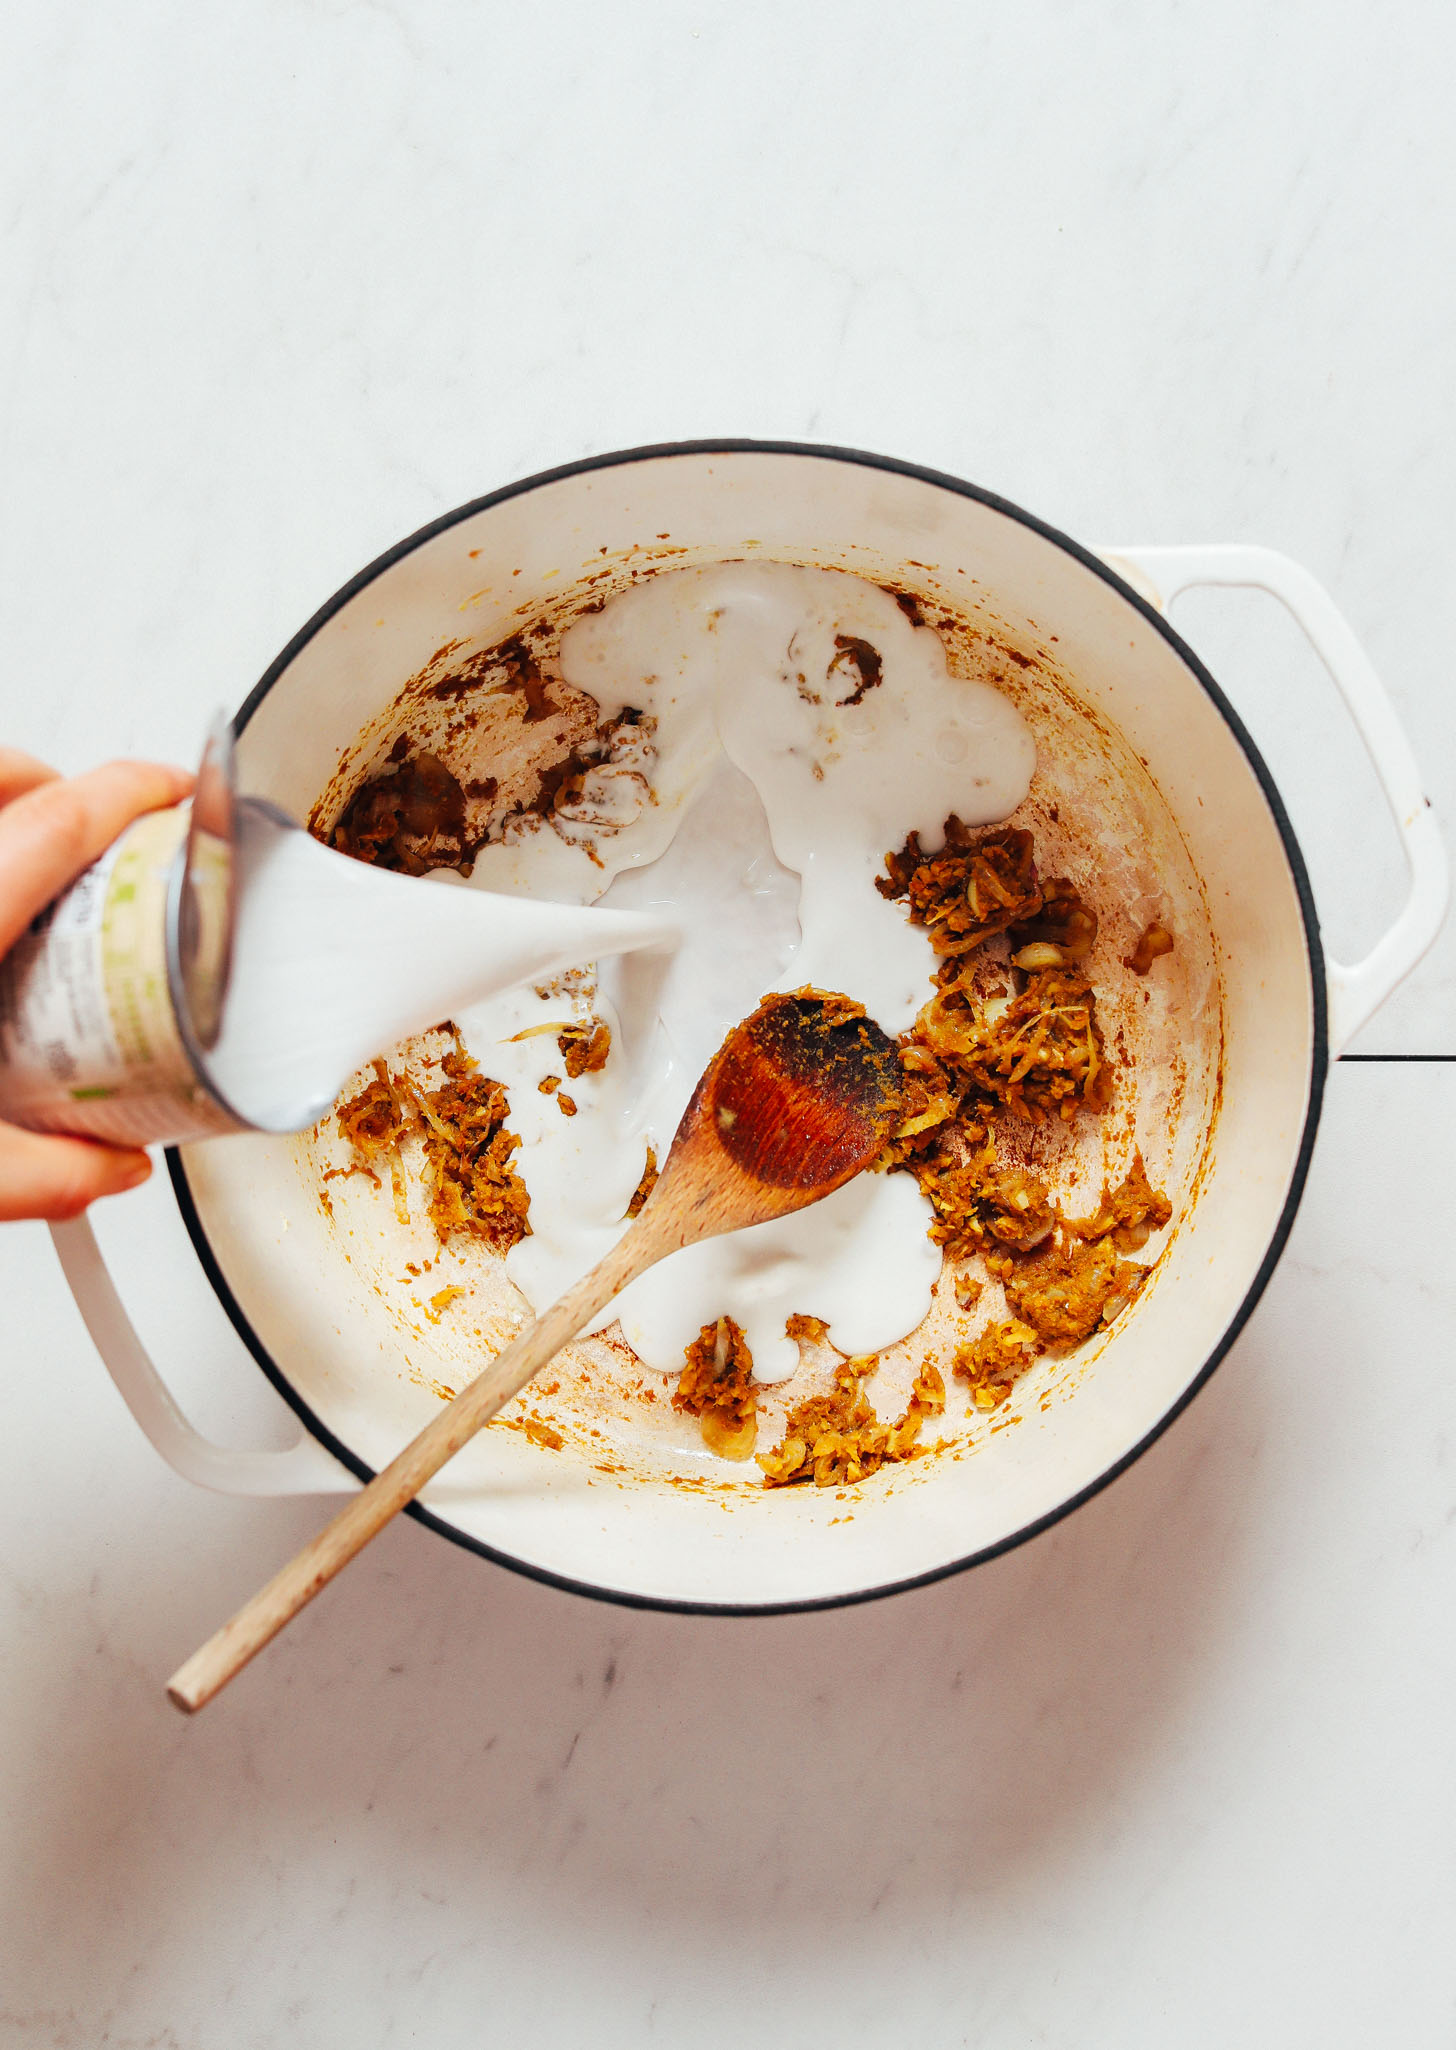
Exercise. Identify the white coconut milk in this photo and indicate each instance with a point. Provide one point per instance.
(780, 765)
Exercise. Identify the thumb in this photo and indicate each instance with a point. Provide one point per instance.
(55, 1178)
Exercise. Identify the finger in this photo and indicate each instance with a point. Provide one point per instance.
(54, 1178)
(19, 773)
(59, 828)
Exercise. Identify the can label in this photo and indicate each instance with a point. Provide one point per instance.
(89, 1041)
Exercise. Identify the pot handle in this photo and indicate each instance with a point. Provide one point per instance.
(1357, 990)
(304, 1468)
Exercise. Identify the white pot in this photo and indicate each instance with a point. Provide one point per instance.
(1285, 1009)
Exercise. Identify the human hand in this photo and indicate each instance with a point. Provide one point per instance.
(50, 830)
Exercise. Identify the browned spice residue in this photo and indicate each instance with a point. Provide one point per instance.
(857, 658)
(410, 818)
(908, 603)
(514, 667)
(561, 783)
(523, 674)
(416, 814)
(584, 1048)
(716, 1386)
(647, 1184)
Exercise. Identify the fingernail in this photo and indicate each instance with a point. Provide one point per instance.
(138, 1174)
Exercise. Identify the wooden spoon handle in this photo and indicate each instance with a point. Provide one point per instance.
(225, 1653)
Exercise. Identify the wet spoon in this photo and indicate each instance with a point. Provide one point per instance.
(797, 1100)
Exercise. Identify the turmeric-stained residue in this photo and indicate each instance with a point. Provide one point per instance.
(981, 1054)
(471, 1182)
(1128, 1213)
(1061, 933)
(375, 1122)
(980, 1206)
(1070, 1287)
(716, 1386)
(1039, 1055)
(972, 888)
(993, 1361)
(837, 1439)
(585, 1047)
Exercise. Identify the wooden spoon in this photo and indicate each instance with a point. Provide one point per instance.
(796, 1101)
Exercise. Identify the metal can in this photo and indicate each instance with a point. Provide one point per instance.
(109, 1000)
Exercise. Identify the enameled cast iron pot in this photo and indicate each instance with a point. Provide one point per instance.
(1286, 1009)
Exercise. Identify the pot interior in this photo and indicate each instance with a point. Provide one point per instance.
(1144, 789)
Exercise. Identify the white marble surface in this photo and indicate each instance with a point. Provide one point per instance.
(282, 283)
